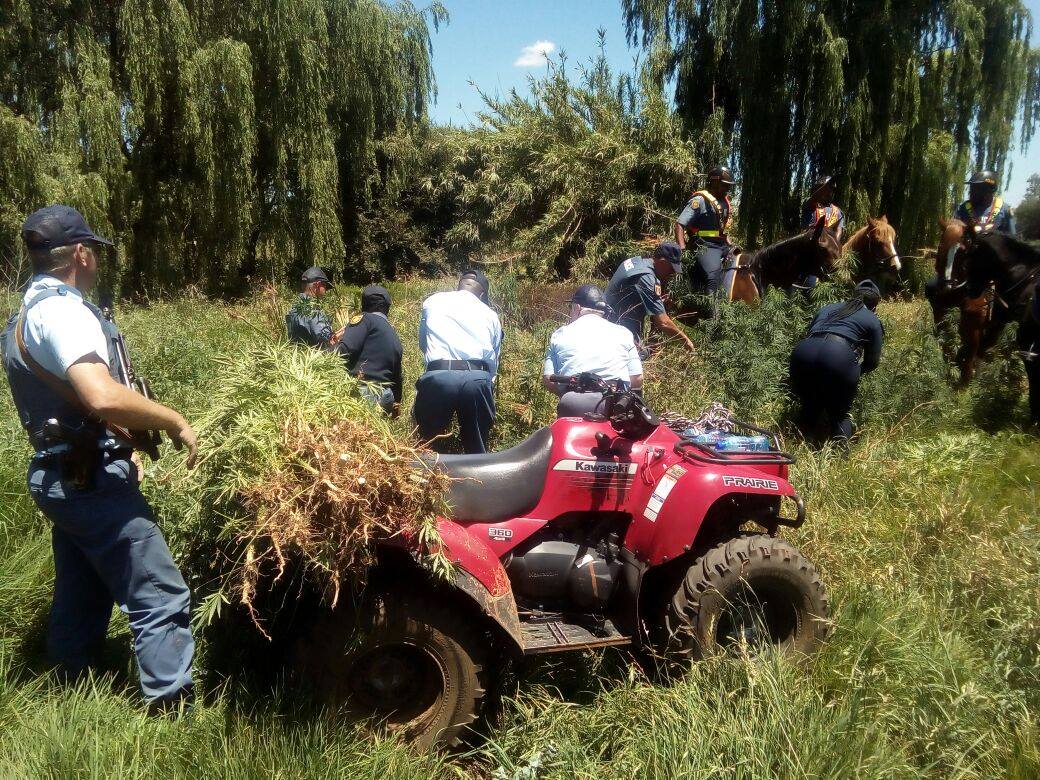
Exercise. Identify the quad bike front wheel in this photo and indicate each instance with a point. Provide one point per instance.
(744, 595)
(412, 664)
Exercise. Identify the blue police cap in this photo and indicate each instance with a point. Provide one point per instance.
(315, 274)
(55, 226)
(479, 277)
(669, 250)
(868, 289)
(375, 298)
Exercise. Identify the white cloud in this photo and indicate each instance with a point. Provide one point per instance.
(534, 55)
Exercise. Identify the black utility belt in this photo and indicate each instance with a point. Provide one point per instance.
(105, 456)
(833, 337)
(457, 365)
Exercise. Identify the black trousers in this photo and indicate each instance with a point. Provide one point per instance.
(441, 395)
(825, 377)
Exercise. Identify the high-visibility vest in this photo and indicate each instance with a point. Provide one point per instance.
(722, 218)
(831, 215)
(988, 216)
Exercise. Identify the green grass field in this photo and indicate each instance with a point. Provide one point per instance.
(927, 536)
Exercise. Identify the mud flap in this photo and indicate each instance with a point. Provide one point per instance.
(500, 609)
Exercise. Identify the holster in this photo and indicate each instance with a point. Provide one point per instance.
(79, 463)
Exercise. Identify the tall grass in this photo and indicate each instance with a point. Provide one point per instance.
(926, 536)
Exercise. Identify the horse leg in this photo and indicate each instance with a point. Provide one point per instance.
(970, 328)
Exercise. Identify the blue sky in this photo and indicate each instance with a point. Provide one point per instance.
(495, 44)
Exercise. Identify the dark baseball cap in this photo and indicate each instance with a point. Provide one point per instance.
(374, 295)
(314, 274)
(479, 277)
(669, 250)
(869, 289)
(589, 296)
(55, 226)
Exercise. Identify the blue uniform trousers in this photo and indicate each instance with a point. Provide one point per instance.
(380, 395)
(108, 549)
(707, 270)
(825, 376)
(440, 395)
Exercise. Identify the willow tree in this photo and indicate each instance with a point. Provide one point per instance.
(218, 140)
(897, 99)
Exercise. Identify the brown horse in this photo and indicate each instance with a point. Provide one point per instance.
(977, 329)
(784, 264)
(875, 248)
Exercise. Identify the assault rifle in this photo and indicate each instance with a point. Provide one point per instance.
(145, 441)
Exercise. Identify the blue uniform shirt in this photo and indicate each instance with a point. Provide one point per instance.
(635, 292)
(862, 328)
(372, 349)
(705, 218)
(998, 216)
(306, 323)
(593, 344)
(458, 325)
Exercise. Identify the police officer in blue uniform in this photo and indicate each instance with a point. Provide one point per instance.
(64, 374)
(590, 343)
(372, 350)
(983, 211)
(306, 322)
(702, 227)
(635, 292)
(826, 365)
(461, 338)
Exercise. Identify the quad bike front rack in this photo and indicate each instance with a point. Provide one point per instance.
(705, 453)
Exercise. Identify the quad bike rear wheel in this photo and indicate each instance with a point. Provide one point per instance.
(744, 595)
(413, 664)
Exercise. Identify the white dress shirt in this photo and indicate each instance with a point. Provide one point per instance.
(61, 330)
(593, 344)
(457, 325)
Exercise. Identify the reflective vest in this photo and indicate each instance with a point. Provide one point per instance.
(721, 217)
(989, 216)
(831, 215)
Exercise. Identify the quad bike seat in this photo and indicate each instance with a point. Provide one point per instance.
(499, 485)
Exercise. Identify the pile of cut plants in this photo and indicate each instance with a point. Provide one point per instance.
(299, 477)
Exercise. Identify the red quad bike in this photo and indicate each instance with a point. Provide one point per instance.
(607, 530)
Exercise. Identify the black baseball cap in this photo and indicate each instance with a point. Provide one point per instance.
(372, 296)
(479, 277)
(314, 274)
(56, 226)
(670, 251)
(589, 296)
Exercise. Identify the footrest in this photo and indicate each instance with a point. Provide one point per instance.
(556, 636)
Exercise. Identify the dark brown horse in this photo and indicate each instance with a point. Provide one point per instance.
(875, 247)
(977, 329)
(784, 264)
(1012, 268)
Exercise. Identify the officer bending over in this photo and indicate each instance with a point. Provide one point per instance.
(826, 365)
(590, 343)
(702, 227)
(306, 322)
(461, 338)
(635, 290)
(63, 373)
(373, 351)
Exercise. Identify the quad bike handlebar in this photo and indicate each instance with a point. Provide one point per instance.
(623, 407)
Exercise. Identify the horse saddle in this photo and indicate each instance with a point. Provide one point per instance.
(733, 264)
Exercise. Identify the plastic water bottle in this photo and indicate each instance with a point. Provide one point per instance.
(743, 444)
(708, 438)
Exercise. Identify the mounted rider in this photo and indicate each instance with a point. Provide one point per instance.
(820, 205)
(983, 211)
(702, 226)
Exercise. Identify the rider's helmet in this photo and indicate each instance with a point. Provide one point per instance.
(721, 174)
(983, 179)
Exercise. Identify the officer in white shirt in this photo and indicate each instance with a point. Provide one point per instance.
(65, 381)
(593, 344)
(460, 337)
